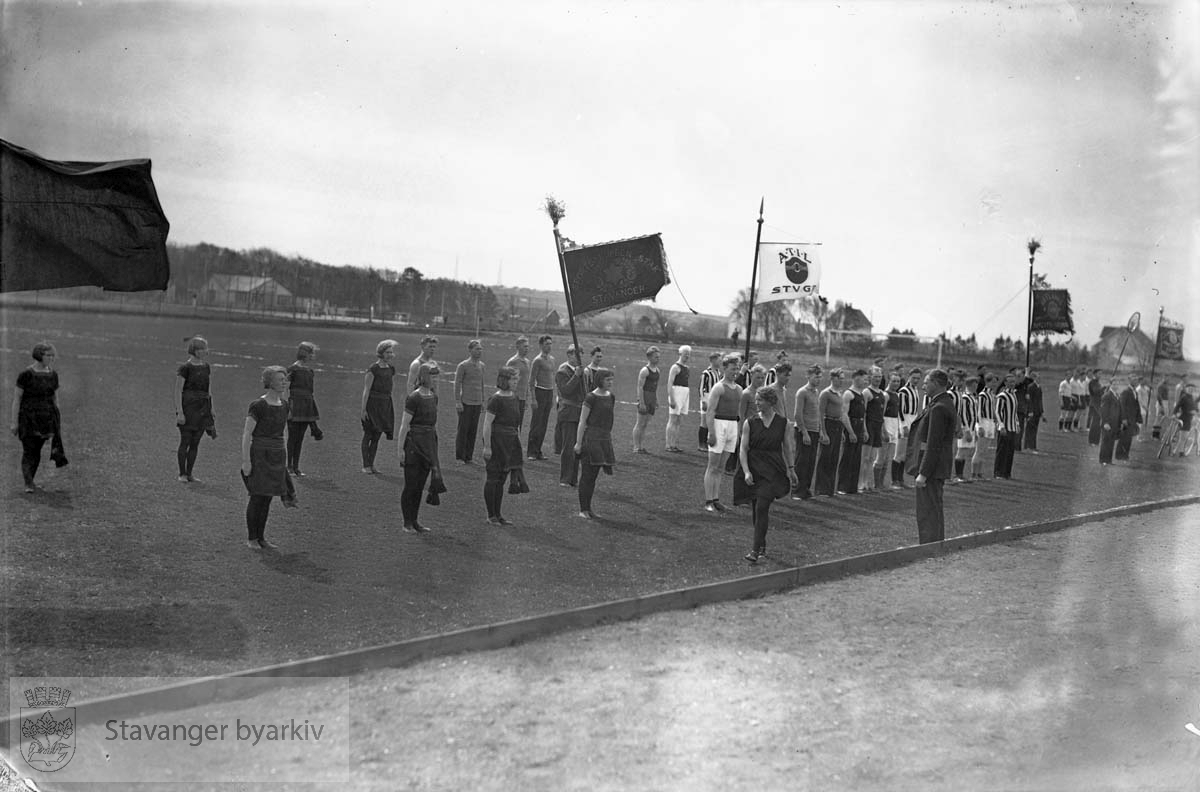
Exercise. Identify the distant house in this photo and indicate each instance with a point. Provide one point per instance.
(847, 317)
(248, 292)
(1138, 351)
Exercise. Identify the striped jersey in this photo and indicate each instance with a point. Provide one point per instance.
(986, 408)
(708, 378)
(968, 411)
(1006, 410)
(910, 404)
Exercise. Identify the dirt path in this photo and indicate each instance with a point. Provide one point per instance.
(1061, 661)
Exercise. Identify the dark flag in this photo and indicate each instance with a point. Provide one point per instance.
(1051, 312)
(79, 224)
(1170, 340)
(613, 274)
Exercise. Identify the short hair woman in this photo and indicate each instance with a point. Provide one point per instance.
(766, 470)
(378, 414)
(417, 443)
(35, 414)
(502, 445)
(194, 416)
(593, 439)
(304, 414)
(264, 459)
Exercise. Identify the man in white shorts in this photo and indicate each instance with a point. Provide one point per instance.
(721, 417)
(679, 396)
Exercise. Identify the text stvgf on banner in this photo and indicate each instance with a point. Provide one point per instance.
(788, 271)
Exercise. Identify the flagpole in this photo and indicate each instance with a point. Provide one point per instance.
(1154, 357)
(557, 211)
(1033, 246)
(753, 278)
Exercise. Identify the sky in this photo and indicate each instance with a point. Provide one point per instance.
(921, 143)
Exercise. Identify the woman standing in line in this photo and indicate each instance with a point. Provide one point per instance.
(593, 439)
(264, 458)
(35, 415)
(304, 413)
(195, 402)
(767, 471)
(502, 444)
(378, 413)
(417, 441)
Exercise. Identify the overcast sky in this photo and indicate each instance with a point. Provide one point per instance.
(921, 142)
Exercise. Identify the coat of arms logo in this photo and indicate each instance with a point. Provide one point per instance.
(47, 729)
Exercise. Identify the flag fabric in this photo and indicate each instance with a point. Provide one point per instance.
(79, 224)
(1170, 340)
(787, 271)
(1051, 312)
(613, 274)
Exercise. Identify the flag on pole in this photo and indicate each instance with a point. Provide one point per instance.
(79, 224)
(787, 271)
(1051, 312)
(1170, 340)
(613, 274)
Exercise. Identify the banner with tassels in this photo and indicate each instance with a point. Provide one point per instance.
(613, 274)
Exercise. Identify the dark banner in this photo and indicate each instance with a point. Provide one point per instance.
(615, 273)
(1051, 312)
(79, 224)
(1170, 340)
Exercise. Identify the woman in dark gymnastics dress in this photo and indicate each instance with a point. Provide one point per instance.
(194, 416)
(766, 466)
(593, 439)
(304, 413)
(501, 445)
(264, 468)
(378, 414)
(417, 441)
(35, 415)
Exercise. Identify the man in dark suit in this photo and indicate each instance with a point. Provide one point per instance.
(1109, 421)
(1131, 417)
(930, 455)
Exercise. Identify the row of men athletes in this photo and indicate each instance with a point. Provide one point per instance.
(850, 427)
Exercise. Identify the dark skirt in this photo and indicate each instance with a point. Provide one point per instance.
(597, 449)
(421, 454)
(37, 418)
(268, 468)
(506, 451)
(304, 406)
(381, 415)
(197, 411)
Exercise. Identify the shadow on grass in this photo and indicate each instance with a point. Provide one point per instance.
(297, 565)
(55, 499)
(205, 631)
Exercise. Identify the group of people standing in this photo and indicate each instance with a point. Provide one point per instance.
(839, 434)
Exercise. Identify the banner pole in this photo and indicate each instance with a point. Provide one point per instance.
(562, 268)
(1033, 245)
(1154, 357)
(753, 278)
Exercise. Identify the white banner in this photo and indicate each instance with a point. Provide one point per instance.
(787, 271)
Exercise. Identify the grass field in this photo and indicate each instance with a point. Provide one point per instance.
(119, 570)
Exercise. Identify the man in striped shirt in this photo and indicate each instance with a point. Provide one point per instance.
(708, 378)
(910, 406)
(1007, 427)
